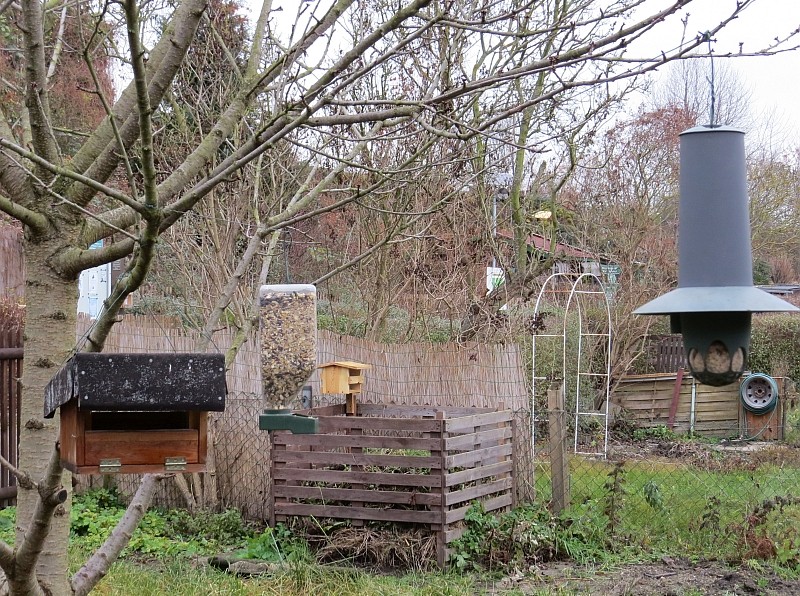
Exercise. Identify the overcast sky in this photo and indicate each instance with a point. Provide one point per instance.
(772, 80)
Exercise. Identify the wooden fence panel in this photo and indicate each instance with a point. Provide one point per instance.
(648, 399)
(12, 273)
(11, 354)
(668, 354)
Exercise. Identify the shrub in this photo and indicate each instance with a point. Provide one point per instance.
(775, 345)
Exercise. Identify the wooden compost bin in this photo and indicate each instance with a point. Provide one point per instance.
(410, 464)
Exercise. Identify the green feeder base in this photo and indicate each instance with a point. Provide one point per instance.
(284, 419)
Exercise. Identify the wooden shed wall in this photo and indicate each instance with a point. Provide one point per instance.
(648, 398)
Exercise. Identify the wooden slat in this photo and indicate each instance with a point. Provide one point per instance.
(343, 477)
(357, 459)
(11, 353)
(475, 492)
(11, 358)
(418, 411)
(333, 423)
(469, 458)
(455, 515)
(471, 475)
(349, 494)
(133, 448)
(133, 469)
(355, 441)
(468, 440)
(454, 425)
(334, 410)
(454, 534)
(362, 513)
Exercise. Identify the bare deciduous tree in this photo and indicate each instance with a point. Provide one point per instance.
(323, 89)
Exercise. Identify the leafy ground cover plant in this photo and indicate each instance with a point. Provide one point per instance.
(171, 533)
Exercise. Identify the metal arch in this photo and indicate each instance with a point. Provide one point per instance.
(606, 374)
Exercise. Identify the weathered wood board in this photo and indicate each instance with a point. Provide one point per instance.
(717, 411)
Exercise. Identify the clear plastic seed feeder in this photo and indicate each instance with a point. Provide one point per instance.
(288, 333)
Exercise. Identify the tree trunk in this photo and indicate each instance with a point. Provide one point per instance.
(51, 306)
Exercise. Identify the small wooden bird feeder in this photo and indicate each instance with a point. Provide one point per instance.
(136, 413)
(343, 377)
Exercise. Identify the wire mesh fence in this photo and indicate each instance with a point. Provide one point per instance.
(666, 492)
(709, 474)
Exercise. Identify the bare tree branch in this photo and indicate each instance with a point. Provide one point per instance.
(96, 568)
(36, 99)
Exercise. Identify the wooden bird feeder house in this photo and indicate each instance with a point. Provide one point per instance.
(343, 377)
(136, 413)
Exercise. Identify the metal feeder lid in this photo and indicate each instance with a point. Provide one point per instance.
(711, 128)
(715, 299)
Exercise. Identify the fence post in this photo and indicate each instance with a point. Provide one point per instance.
(441, 527)
(559, 453)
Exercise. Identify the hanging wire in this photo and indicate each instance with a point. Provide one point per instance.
(712, 116)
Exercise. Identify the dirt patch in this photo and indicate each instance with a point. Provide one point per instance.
(668, 577)
(722, 456)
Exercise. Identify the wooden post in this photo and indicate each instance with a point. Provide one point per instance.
(441, 528)
(356, 523)
(351, 406)
(559, 453)
(676, 396)
(273, 482)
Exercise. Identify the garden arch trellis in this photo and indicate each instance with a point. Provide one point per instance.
(596, 375)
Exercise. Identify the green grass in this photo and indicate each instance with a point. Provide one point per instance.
(661, 508)
(697, 510)
(181, 578)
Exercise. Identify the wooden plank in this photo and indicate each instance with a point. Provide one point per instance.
(133, 448)
(676, 394)
(322, 458)
(440, 490)
(456, 515)
(11, 353)
(559, 451)
(274, 449)
(69, 433)
(135, 469)
(719, 416)
(362, 513)
(473, 474)
(199, 420)
(485, 436)
(469, 458)
(334, 410)
(330, 441)
(395, 411)
(454, 534)
(683, 426)
(333, 423)
(344, 477)
(356, 450)
(468, 494)
(364, 495)
(454, 425)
